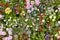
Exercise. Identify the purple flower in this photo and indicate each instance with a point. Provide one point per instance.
(47, 37)
(28, 32)
(15, 9)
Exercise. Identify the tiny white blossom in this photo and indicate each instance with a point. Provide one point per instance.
(43, 20)
(58, 22)
(50, 16)
(26, 20)
(56, 10)
(53, 19)
(27, 25)
(37, 18)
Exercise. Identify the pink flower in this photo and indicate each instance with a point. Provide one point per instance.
(10, 37)
(28, 6)
(9, 31)
(28, 11)
(7, 38)
(27, 0)
(32, 9)
(32, 2)
(1, 16)
(2, 32)
(37, 2)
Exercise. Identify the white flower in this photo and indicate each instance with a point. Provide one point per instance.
(56, 10)
(26, 20)
(36, 29)
(27, 25)
(58, 22)
(58, 37)
(53, 19)
(37, 9)
(37, 18)
(50, 9)
(43, 20)
(50, 16)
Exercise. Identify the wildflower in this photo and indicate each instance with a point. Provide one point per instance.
(22, 13)
(8, 10)
(32, 2)
(50, 16)
(58, 35)
(7, 38)
(1, 16)
(43, 20)
(37, 2)
(2, 32)
(58, 22)
(28, 32)
(28, 6)
(53, 20)
(47, 37)
(9, 31)
(26, 20)
(28, 11)
(15, 9)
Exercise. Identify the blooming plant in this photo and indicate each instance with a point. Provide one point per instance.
(29, 19)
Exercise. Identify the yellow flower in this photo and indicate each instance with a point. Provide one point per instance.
(8, 10)
(22, 13)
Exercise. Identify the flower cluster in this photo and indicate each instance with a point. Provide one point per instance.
(29, 20)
